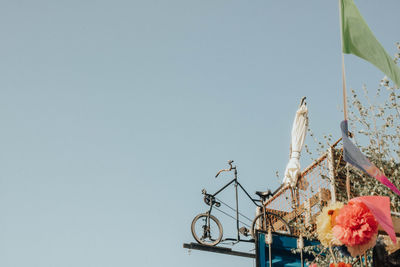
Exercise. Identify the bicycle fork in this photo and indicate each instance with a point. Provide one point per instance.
(207, 225)
(206, 228)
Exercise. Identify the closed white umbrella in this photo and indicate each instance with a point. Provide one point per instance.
(299, 131)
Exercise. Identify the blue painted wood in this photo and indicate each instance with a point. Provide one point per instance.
(281, 251)
(262, 252)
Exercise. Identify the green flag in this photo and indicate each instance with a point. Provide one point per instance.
(359, 40)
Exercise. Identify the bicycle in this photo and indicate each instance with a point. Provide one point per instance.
(207, 230)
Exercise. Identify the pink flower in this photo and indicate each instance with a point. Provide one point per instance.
(355, 224)
(340, 264)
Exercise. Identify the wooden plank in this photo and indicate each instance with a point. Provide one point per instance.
(332, 174)
(322, 195)
(396, 226)
(302, 208)
(307, 208)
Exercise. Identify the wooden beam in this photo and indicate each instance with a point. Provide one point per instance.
(221, 250)
(396, 226)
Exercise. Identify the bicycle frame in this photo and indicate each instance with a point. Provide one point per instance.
(236, 184)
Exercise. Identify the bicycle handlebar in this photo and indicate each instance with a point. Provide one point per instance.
(226, 170)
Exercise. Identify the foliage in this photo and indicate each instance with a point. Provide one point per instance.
(374, 120)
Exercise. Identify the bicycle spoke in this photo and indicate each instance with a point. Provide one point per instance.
(273, 223)
(206, 230)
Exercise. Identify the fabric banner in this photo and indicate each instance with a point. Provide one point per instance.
(380, 208)
(359, 40)
(353, 155)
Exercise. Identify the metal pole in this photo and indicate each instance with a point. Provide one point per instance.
(344, 92)
(270, 256)
(269, 242)
(301, 258)
(343, 68)
(237, 205)
(300, 245)
(264, 226)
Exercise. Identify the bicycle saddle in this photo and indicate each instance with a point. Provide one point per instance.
(264, 195)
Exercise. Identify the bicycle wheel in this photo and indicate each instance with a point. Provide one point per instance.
(206, 229)
(273, 222)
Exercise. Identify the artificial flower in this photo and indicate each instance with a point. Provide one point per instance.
(358, 250)
(356, 227)
(340, 264)
(325, 222)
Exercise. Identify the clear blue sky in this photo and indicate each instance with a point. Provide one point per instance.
(115, 114)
